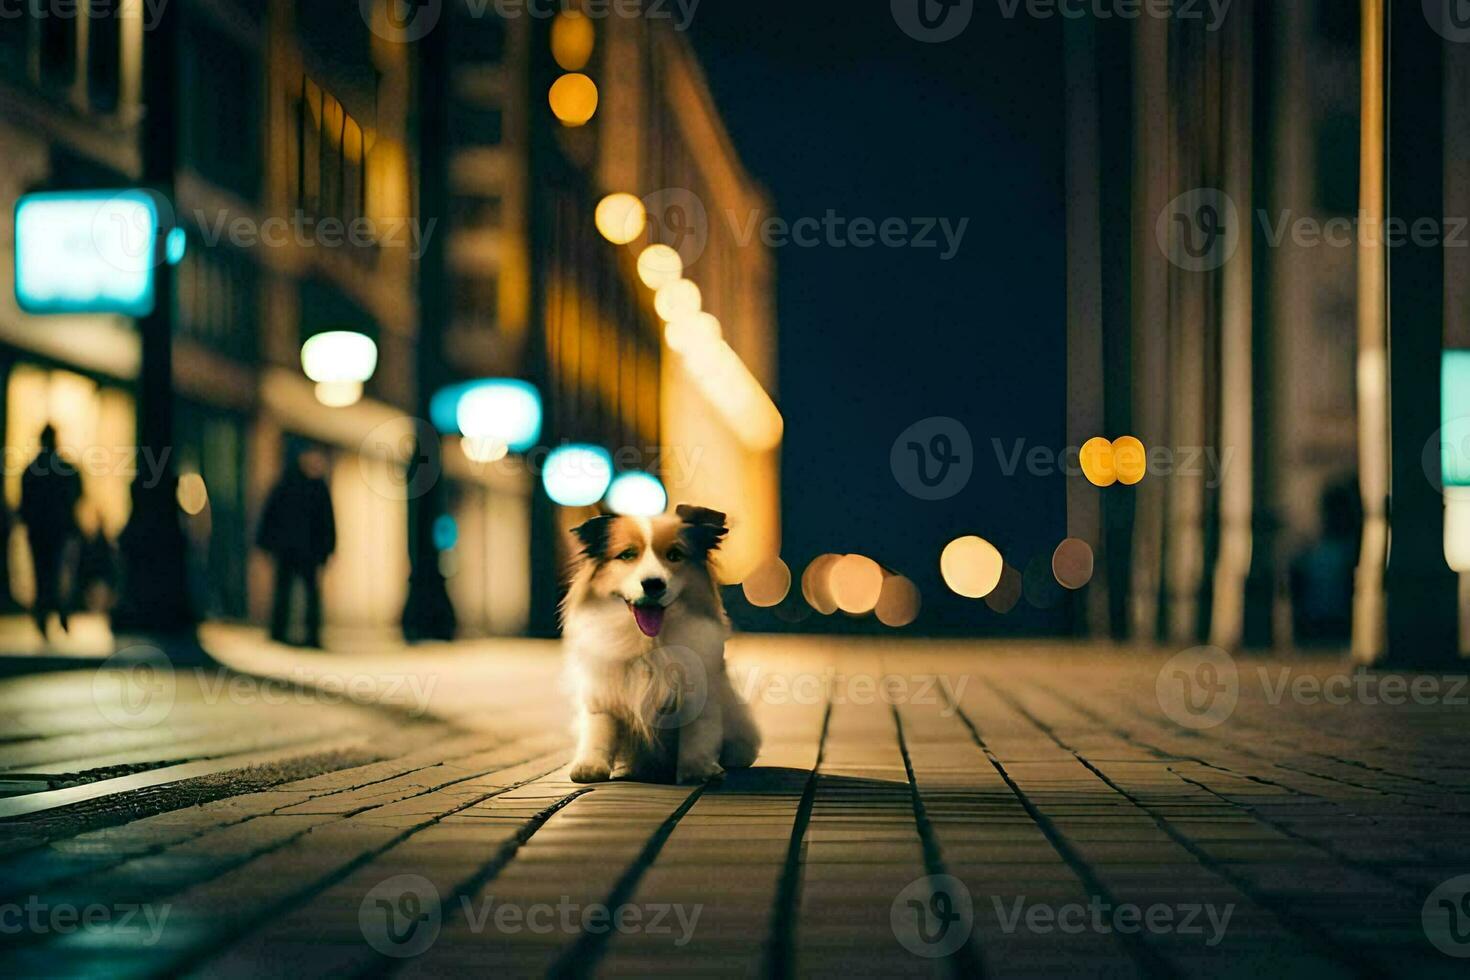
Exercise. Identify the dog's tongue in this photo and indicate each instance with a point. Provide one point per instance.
(650, 619)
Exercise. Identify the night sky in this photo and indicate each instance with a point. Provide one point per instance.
(832, 106)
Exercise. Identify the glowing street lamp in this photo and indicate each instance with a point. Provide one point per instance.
(577, 475)
(572, 39)
(573, 99)
(637, 494)
(621, 218)
(659, 265)
(340, 362)
(678, 300)
(499, 410)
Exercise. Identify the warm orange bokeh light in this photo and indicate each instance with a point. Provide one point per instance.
(678, 300)
(621, 218)
(898, 604)
(856, 584)
(572, 39)
(1130, 459)
(687, 333)
(659, 265)
(1097, 462)
(816, 586)
(971, 567)
(768, 585)
(573, 99)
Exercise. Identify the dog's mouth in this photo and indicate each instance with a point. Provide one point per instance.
(649, 616)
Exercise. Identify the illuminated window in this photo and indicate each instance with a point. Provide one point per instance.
(332, 152)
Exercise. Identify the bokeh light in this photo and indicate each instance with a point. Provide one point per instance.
(1457, 528)
(621, 218)
(816, 586)
(1072, 563)
(505, 410)
(899, 602)
(338, 394)
(573, 37)
(768, 585)
(339, 355)
(1097, 462)
(1007, 592)
(192, 494)
(446, 532)
(856, 582)
(637, 494)
(483, 449)
(687, 333)
(678, 300)
(573, 99)
(577, 475)
(659, 265)
(1130, 459)
(971, 567)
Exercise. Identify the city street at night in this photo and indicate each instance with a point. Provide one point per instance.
(700, 488)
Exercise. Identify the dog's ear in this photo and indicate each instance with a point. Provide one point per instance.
(594, 535)
(703, 527)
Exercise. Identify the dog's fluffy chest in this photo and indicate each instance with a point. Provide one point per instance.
(613, 667)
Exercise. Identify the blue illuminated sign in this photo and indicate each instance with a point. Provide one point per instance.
(86, 252)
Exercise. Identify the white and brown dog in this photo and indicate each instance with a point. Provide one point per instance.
(644, 632)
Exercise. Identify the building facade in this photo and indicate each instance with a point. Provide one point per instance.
(299, 188)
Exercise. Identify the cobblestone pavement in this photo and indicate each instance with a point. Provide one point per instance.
(918, 809)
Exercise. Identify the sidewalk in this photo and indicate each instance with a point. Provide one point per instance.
(1028, 810)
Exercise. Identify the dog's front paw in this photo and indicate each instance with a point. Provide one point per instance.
(699, 771)
(590, 771)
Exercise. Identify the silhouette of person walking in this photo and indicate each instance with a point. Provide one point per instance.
(299, 532)
(49, 491)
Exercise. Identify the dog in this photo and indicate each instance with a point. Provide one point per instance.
(644, 634)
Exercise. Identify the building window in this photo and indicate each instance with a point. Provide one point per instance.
(478, 39)
(104, 62)
(478, 212)
(219, 299)
(77, 58)
(221, 132)
(57, 43)
(331, 179)
(477, 125)
(476, 303)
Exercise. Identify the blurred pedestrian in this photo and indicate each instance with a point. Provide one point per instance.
(299, 532)
(49, 491)
(96, 564)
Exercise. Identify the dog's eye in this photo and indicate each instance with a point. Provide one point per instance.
(630, 555)
(675, 555)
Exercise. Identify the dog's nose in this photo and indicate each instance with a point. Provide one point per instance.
(654, 586)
